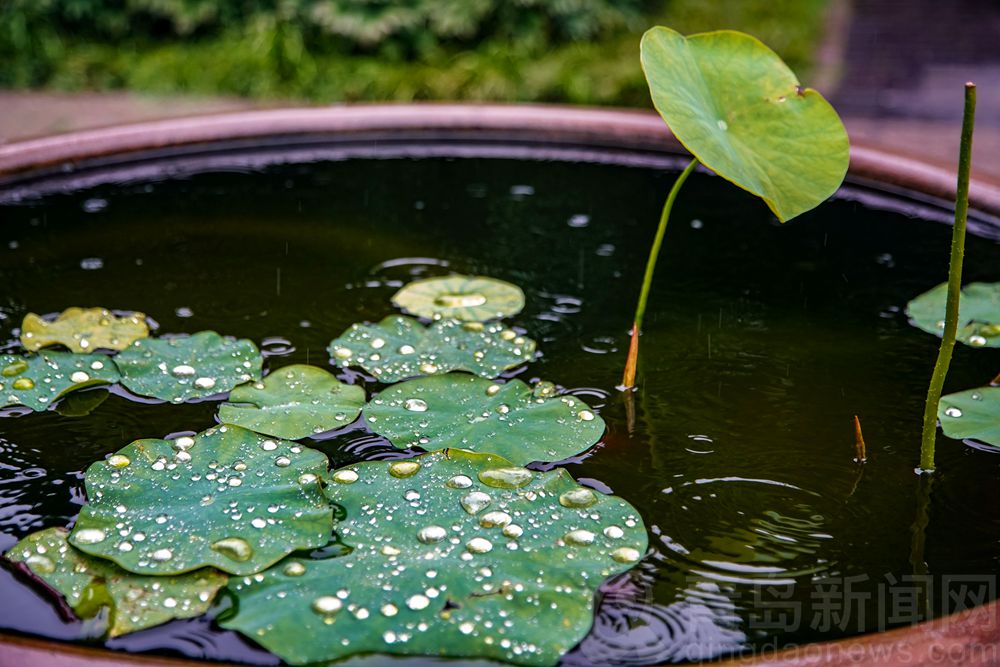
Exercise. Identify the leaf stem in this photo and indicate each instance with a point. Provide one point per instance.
(954, 284)
(628, 378)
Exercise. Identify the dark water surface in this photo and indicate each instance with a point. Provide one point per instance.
(762, 341)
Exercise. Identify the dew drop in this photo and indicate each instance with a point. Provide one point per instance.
(428, 368)
(204, 383)
(345, 476)
(40, 564)
(493, 390)
(459, 482)
(614, 532)
(625, 555)
(467, 627)
(459, 300)
(163, 554)
(475, 502)
(170, 603)
(233, 548)
(327, 605)
(389, 610)
(294, 569)
(586, 415)
(505, 478)
(183, 443)
(579, 537)
(478, 545)
(495, 520)
(23, 384)
(406, 349)
(79, 376)
(404, 469)
(977, 340)
(578, 497)
(118, 461)
(953, 412)
(415, 405)
(418, 602)
(15, 367)
(513, 531)
(89, 536)
(259, 523)
(282, 462)
(307, 478)
(431, 534)
(182, 370)
(269, 445)
(342, 353)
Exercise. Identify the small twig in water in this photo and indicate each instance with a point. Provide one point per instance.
(860, 451)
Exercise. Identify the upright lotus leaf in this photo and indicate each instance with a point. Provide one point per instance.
(467, 298)
(972, 414)
(227, 498)
(84, 330)
(184, 367)
(401, 347)
(88, 584)
(455, 554)
(978, 313)
(37, 380)
(294, 402)
(740, 110)
(510, 420)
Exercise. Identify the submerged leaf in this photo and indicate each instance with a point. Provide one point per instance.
(978, 313)
(509, 420)
(467, 298)
(37, 380)
(401, 347)
(227, 498)
(136, 601)
(84, 330)
(454, 554)
(740, 110)
(294, 402)
(972, 414)
(184, 367)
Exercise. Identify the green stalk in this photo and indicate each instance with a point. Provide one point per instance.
(628, 378)
(954, 284)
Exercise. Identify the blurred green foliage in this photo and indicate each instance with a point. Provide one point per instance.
(581, 51)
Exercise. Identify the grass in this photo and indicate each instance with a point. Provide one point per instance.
(271, 61)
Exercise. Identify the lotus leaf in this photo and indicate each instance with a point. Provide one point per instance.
(509, 420)
(227, 498)
(978, 313)
(401, 347)
(184, 367)
(467, 298)
(84, 330)
(740, 110)
(294, 402)
(136, 601)
(972, 414)
(455, 554)
(37, 380)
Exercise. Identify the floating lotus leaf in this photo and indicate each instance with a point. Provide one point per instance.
(88, 584)
(294, 402)
(228, 498)
(401, 347)
(978, 313)
(37, 380)
(184, 367)
(455, 554)
(509, 420)
(467, 298)
(740, 110)
(972, 414)
(84, 330)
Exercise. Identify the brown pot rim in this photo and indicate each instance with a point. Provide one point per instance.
(966, 638)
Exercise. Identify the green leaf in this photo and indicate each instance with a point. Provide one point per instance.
(972, 414)
(37, 380)
(84, 330)
(227, 498)
(137, 602)
(509, 420)
(184, 367)
(978, 313)
(467, 298)
(294, 402)
(400, 347)
(737, 107)
(455, 554)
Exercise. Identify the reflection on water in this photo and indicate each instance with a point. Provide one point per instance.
(762, 342)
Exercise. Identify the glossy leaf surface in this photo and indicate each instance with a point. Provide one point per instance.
(84, 330)
(467, 298)
(37, 380)
(972, 414)
(978, 313)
